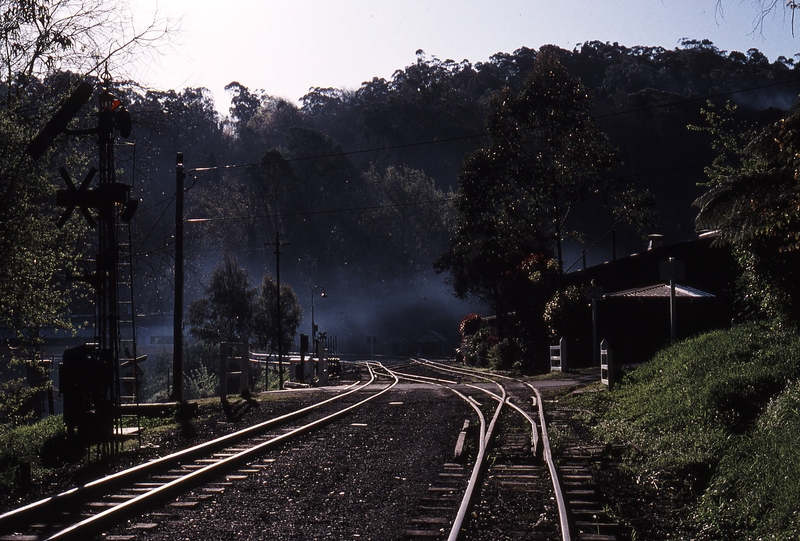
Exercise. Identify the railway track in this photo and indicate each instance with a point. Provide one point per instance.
(577, 468)
(502, 481)
(516, 489)
(87, 511)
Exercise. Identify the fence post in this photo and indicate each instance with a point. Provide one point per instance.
(606, 365)
(558, 356)
(234, 361)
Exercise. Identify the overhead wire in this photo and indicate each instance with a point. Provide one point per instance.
(321, 211)
(675, 103)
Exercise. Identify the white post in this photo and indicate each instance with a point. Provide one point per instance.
(606, 365)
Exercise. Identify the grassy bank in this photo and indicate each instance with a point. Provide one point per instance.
(717, 420)
(41, 445)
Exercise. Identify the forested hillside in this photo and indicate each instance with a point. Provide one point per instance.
(359, 181)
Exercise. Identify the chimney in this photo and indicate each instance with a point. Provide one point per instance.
(655, 241)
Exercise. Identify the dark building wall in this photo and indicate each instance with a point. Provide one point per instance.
(636, 328)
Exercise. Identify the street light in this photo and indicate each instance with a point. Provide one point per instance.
(314, 325)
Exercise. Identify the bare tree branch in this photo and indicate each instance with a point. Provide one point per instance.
(84, 36)
(763, 8)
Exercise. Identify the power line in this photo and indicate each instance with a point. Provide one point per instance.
(446, 140)
(675, 103)
(338, 154)
(325, 211)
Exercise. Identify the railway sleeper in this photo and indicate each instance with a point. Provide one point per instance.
(435, 511)
(423, 534)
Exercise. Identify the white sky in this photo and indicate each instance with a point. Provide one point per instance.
(286, 47)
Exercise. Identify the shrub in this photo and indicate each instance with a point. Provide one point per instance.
(43, 444)
(503, 354)
(201, 384)
(566, 312)
(476, 348)
(470, 324)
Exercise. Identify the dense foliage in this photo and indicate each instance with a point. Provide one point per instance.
(42, 47)
(235, 311)
(268, 331)
(43, 445)
(360, 182)
(753, 202)
(546, 159)
(232, 310)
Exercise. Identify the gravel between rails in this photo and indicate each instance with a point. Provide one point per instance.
(358, 478)
(361, 477)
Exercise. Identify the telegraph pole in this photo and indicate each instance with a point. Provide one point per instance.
(278, 323)
(177, 323)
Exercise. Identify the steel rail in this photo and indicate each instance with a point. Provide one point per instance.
(478, 470)
(424, 379)
(546, 452)
(548, 457)
(476, 478)
(524, 414)
(455, 370)
(110, 482)
(133, 506)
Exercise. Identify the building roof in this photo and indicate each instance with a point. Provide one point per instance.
(660, 290)
(431, 337)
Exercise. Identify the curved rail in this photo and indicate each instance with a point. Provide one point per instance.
(197, 477)
(486, 436)
(115, 479)
(477, 472)
(545, 441)
(548, 457)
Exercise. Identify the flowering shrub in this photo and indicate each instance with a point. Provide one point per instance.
(475, 347)
(564, 310)
(470, 324)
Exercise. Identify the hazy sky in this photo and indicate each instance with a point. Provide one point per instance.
(286, 47)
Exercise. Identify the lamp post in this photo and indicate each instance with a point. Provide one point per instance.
(594, 293)
(314, 325)
(672, 270)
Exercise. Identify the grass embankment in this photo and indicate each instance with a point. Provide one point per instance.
(717, 419)
(45, 447)
(41, 446)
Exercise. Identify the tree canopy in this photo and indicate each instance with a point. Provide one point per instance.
(234, 311)
(515, 196)
(42, 45)
(754, 204)
(225, 314)
(266, 326)
(349, 176)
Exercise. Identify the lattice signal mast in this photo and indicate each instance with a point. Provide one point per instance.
(92, 390)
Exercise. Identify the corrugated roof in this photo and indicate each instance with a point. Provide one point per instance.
(660, 290)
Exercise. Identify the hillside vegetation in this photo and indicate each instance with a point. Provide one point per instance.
(712, 423)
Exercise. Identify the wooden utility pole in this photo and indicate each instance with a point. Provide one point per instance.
(278, 322)
(177, 323)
